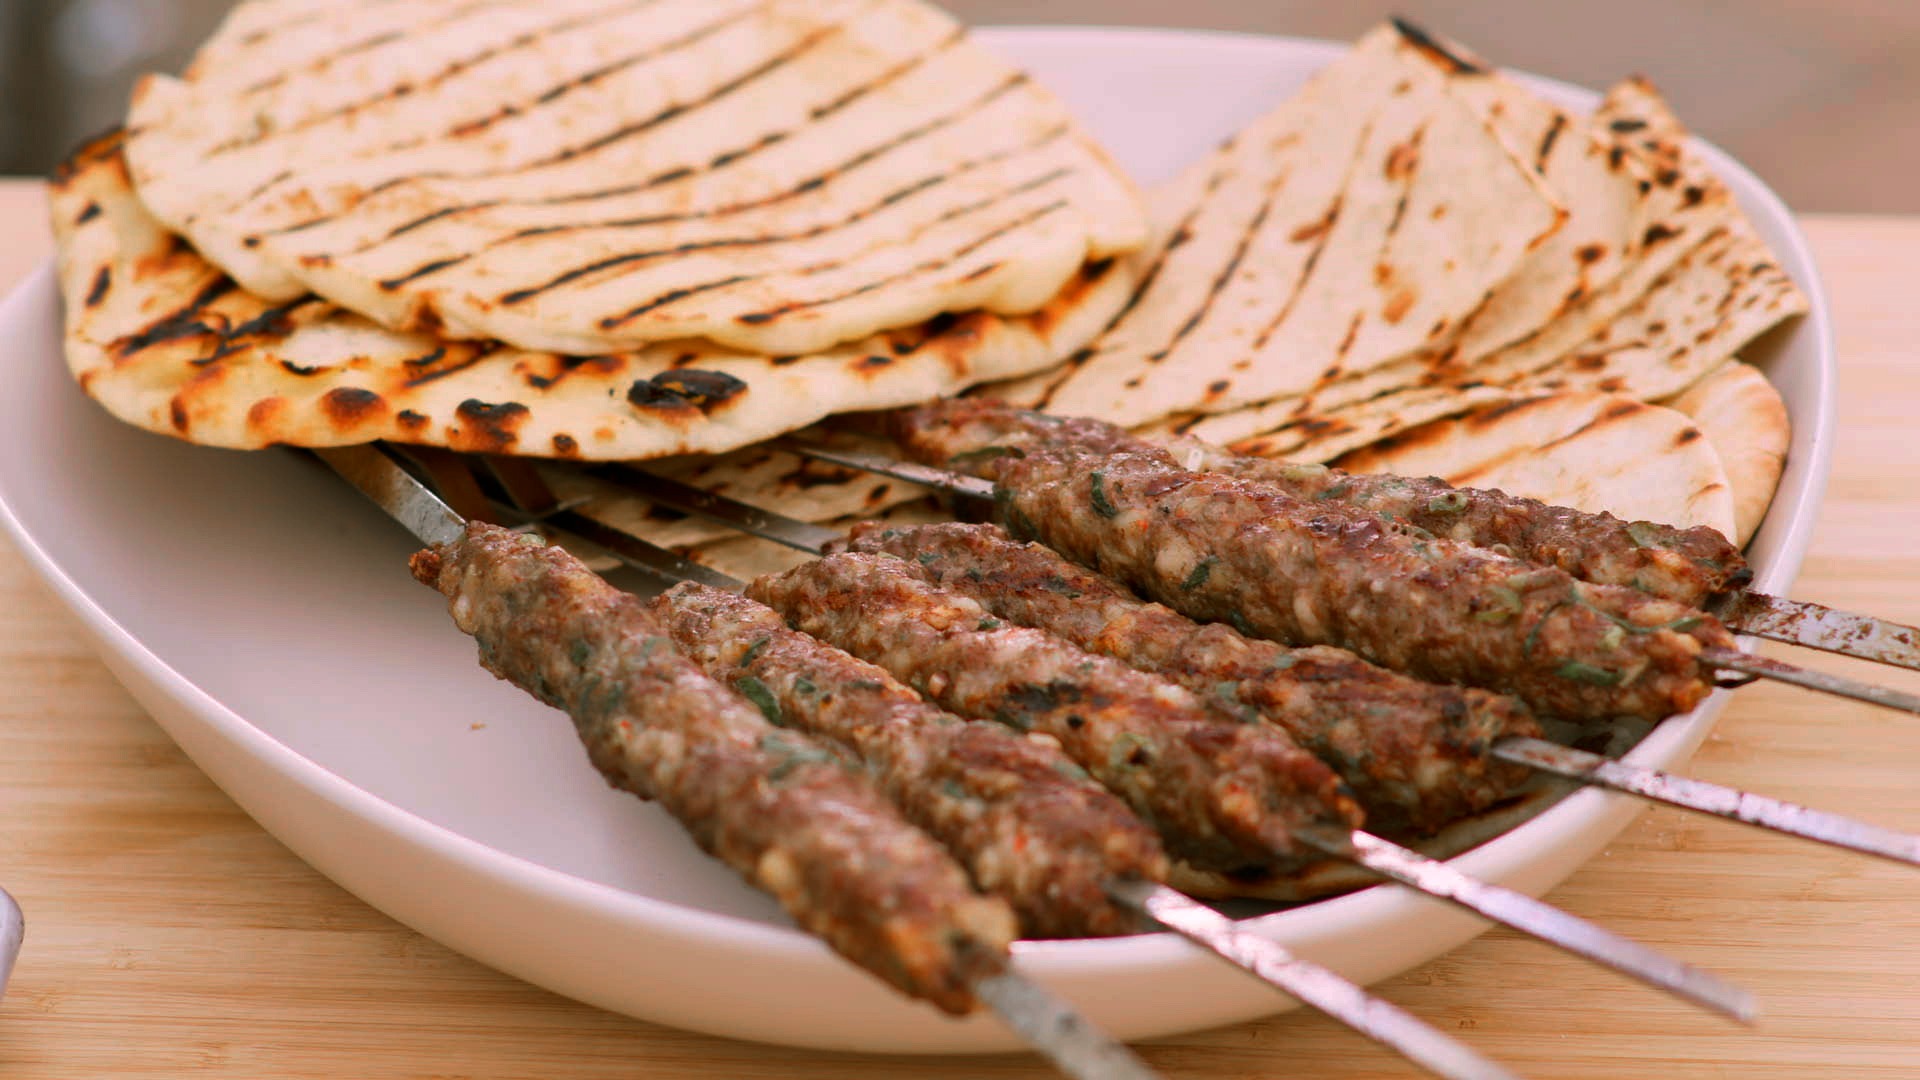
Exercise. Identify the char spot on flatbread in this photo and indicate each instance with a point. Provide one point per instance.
(1427, 43)
(102, 281)
(410, 420)
(349, 406)
(565, 445)
(489, 427)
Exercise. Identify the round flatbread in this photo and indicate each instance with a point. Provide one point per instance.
(1589, 451)
(165, 341)
(585, 176)
(1745, 419)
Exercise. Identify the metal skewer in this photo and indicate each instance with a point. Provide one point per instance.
(1816, 626)
(1383, 857)
(1051, 1026)
(1891, 634)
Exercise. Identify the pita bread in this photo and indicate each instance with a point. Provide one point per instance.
(746, 557)
(1712, 303)
(1683, 205)
(585, 176)
(1590, 451)
(166, 342)
(1745, 419)
(760, 476)
(1358, 223)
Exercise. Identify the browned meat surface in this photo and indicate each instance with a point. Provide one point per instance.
(1414, 753)
(1321, 573)
(1225, 795)
(792, 814)
(1687, 566)
(1031, 825)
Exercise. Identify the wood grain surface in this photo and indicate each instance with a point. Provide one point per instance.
(168, 935)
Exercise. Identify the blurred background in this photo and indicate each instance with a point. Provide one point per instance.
(1821, 97)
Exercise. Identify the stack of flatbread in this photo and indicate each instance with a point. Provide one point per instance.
(1418, 265)
(587, 229)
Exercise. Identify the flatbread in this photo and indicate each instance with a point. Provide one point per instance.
(1711, 304)
(761, 476)
(746, 557)
(584, 176)
(1745, 419)
(1358, 223)
(165, 341)
(1590, 451)
(1683, 206)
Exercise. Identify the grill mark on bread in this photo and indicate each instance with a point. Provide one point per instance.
(1225, 277)
(457, 67)
(676, 295)
(722, 160)
(475, 125)
(891, 199)
(1181, 234)
(102, 281)
(1546, 142)
(182, 322)
(368, 44)
(929, 265)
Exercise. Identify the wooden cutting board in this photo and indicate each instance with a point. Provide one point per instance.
(169, 936)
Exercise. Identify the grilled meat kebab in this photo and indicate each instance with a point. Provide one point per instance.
(1414, 753)
(1321, 572)
(1224, 795)
(796, 816)
(1688, 566)
(1031, 826)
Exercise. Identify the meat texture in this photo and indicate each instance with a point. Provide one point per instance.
(1224, 795)
(795, 816)
(1031, 825)
(1416, 754)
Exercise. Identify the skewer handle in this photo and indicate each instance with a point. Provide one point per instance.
(1709, 798)
(1542, 920)
(1314, 985)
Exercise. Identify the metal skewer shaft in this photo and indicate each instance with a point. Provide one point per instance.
(1816, 626)
(1314, 985)
(1709, 798)
(1409, 868)
(1052, 1027)
(1725, 659)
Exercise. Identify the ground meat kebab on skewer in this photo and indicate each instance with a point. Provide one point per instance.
(1688, 566)
(1225, 795)
(1031, 826)
(1416, 754)
(1319, 572)
(794, 815)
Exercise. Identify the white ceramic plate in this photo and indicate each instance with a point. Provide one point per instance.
(264, 615)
